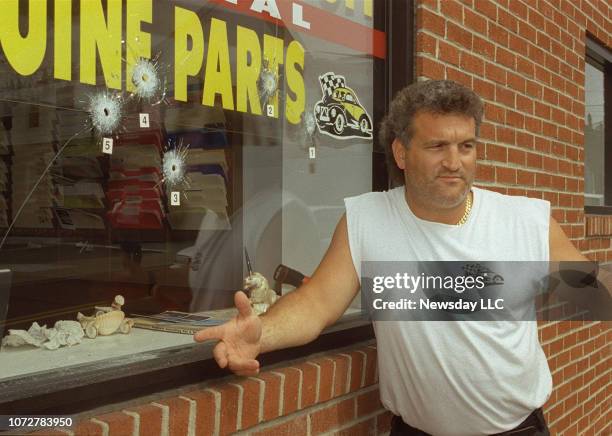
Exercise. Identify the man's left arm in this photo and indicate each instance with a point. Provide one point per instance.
(562, 250)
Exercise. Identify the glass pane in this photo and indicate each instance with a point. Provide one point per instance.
(594, 137)
(145, 145)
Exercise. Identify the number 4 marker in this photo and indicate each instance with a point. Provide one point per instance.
(144, 120)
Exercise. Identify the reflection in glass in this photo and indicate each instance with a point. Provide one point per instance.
(594, 144)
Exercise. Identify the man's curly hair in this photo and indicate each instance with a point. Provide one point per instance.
(434, 96)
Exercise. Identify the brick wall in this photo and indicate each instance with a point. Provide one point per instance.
(526, 59)
(333, 393)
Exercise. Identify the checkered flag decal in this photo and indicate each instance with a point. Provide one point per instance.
(331, 81)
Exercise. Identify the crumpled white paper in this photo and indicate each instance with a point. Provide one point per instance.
(63, 333)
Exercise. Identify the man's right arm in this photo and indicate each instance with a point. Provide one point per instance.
(295, 319)
(300, 316)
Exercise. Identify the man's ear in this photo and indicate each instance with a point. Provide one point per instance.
(399, 153)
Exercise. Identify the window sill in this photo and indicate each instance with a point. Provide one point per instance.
(598, 210)
(128, 373)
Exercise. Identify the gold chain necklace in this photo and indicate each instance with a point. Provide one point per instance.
(468, 209)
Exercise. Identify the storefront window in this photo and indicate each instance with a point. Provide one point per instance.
(145, 145)
(597, 129)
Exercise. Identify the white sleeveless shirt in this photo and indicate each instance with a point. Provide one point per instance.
(462, 377)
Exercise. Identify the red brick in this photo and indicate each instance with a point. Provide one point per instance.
(487, 8)
(541, 110)
(459, 35)
(448, 53)
(362, 428)
(518, 45)
(524, 104)
(425, 43)
(506, 175)
(505, 57)
(309, 384)
(206, 408)
(293, 378)
(340, 374)
(498, 34)
(515, 82)
(484, 89)
(368, 403)
(507, 21)
(474, 21)
(429, 68)
(527, 31)
(518, 8)
(533, 89)
(487, 132)
(326, 374)
(485, 173)
(516, 120)
(494, 113)
(150, 419)
(497, 153)
(505, 135)
(229, 407)
(383, 422)
(178, 415)
(119, 424)
(452, 10)
(332, 417)
(251, 390)
(294, 426)
(483, 47)
(504, 96)
(543, 40)
(371, 366)
(472, 64)
(551, 96)
(357, 368)
(537, 55)
(525, 67)
(533, 125)
(551, 62)
(458, 76)
(427, 20)
(272, 395)
(87, 428)
(517, 156)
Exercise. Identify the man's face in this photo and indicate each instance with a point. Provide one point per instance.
(440, 162)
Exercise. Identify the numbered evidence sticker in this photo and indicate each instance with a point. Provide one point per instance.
(107, 145)
(175, 198)
(312, 152)
(270, 110)
(144, 120)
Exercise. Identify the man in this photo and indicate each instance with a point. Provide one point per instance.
(438, 378)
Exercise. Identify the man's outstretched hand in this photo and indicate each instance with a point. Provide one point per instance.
(239, 339)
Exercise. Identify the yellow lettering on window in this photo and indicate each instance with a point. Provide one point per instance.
(248, 66)
(62, 43)
(295, 81)
(104, 36)
(367, 8)
(138, 42)
(25, 54)
(186, 62)
(218, 77)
